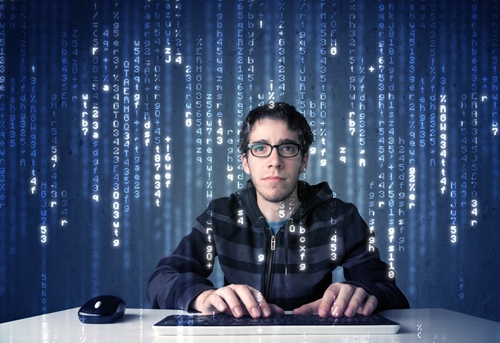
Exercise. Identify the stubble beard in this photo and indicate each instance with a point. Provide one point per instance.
(276, 196)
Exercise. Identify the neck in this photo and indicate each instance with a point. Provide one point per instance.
(278, 211)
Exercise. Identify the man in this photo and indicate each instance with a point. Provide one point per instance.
(278, 240)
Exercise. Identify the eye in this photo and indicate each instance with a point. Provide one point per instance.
(289, 149)
(259, 147)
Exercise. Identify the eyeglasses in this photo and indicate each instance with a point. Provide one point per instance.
(284, 149)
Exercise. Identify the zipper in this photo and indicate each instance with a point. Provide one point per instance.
(270, 264)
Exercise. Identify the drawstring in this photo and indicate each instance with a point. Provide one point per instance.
(264, 225)
(290, 221)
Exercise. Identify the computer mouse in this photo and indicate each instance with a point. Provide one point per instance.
(102, 309)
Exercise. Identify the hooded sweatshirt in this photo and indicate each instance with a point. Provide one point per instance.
(290, 268)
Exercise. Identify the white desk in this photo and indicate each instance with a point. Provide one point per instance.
(417, 325)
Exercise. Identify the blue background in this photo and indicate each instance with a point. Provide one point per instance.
(119, 123)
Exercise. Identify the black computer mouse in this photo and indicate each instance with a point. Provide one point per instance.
(102, 309)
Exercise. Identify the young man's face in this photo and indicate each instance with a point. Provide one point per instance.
(275, 177)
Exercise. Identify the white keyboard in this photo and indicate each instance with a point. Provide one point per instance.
(288, 324)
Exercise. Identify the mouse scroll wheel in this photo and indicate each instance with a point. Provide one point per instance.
(97, 304)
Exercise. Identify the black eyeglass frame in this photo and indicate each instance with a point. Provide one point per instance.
(299, 149)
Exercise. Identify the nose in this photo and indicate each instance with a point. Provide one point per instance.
(275, 160)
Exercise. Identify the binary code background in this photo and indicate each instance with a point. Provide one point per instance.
(119, 123)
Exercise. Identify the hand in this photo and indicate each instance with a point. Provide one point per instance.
(236, 300)
(341, 299)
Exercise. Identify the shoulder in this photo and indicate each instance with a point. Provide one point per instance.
(339, 214)
(344, 206)
(321, 198)
(224, 206)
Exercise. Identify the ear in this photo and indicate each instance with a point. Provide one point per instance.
(244, 162)
(305, 160)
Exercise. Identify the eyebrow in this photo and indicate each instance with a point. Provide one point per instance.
(286, 140)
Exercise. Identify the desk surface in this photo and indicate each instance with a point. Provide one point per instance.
(417, 325)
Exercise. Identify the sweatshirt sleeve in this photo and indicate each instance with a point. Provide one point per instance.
(363, 266)
(182, 276)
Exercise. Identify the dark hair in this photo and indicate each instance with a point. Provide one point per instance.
(294, 120)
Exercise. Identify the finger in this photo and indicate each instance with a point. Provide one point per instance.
(243, 299)
(214, 304)
(369, 306)
(229, 296)
(329, 300)
(253, 301)
(306, 309)
(267, 310)
(357, 301)
(343, 298)
(275, 309)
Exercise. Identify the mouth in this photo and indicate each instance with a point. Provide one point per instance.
(274, 178)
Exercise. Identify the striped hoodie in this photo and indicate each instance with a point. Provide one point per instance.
(291, 268)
